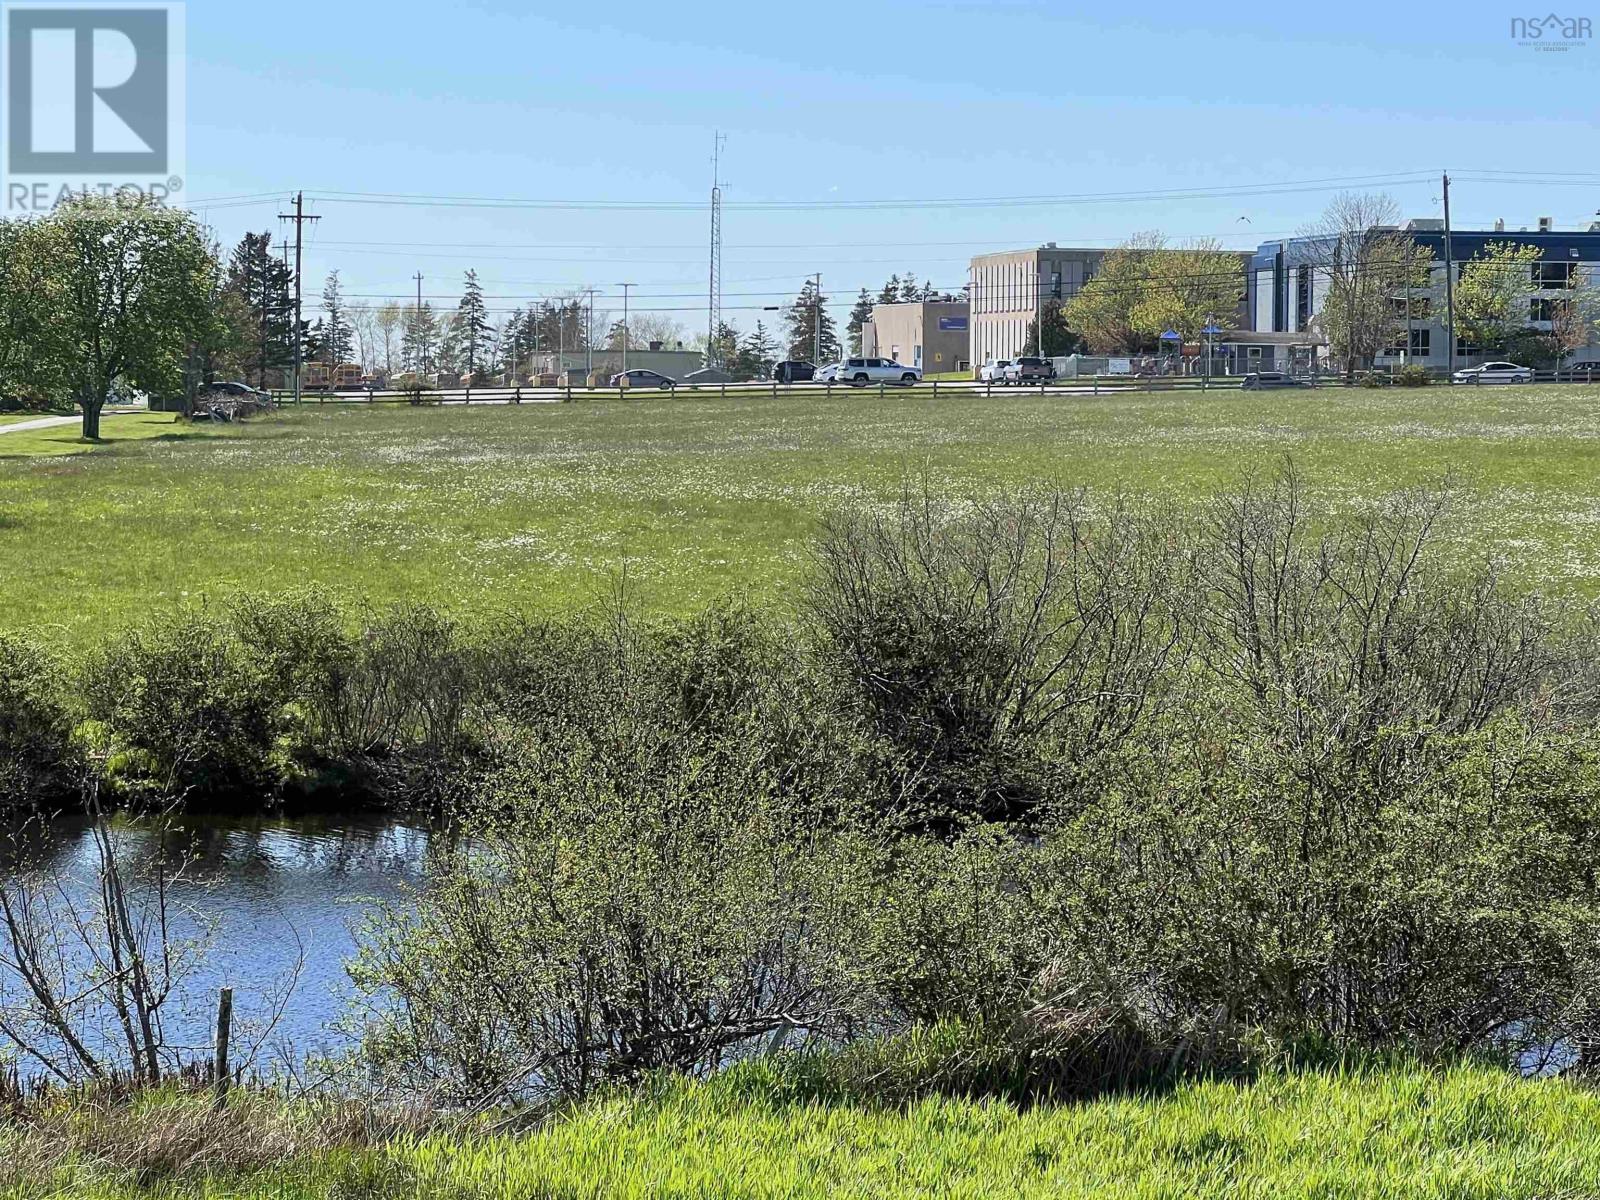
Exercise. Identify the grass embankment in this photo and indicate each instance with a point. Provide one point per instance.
(1465, 1132)
(542, 506)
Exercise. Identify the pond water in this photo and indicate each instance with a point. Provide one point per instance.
(277, 902)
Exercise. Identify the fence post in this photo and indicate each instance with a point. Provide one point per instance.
(369, 395)
(468, 399)
(220, 1072)
(517, 399)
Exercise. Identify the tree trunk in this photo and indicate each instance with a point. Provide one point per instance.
(91, 420)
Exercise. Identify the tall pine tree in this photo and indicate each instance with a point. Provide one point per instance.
(756, 355)
(859, 316)
(811, 328)
(417, 343)
(336, 335)
(473, 330)
(265, 286)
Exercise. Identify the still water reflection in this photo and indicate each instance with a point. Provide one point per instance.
(279, 896)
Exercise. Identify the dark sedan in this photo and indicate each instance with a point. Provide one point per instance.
(794, 371)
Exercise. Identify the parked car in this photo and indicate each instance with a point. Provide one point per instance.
(794, 371)
(862, 371)
(707, 375)
(639, 377)
(1028, 370)
(993, 372)
(1588, 366)
(1494, 372)
(827, 374)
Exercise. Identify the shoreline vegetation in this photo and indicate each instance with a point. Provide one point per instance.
(1076, 838)
(1292, 1135)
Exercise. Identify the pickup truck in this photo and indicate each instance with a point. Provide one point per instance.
(993, 372)
(1029, 370)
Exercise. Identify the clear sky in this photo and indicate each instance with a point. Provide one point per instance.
(833, 103)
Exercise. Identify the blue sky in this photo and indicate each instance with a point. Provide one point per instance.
(831, 102)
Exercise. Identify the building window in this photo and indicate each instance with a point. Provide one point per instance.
(1542, 308)
(1421, 343)
(1055, 284)
(1302, 297)
(1553, 275)
(1465, 349)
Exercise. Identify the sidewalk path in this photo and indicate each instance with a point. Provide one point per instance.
(52, 422)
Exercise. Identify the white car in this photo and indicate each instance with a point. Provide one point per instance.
(993, 372)
(1494, 372)
(862, 371)
(827, 374)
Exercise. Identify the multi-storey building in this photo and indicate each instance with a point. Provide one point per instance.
(1006, 289)
(1286, 287)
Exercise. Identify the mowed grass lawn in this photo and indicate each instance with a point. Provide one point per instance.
(546, 506)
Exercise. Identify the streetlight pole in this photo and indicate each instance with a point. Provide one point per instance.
(624, 287)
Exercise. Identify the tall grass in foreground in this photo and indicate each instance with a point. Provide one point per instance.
(1464, 1132)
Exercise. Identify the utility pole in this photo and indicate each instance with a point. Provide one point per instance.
(816, 321)
(299, 218)
(714, 294)
(1038, 306)
(1449, 286)
(624, 287)
(588, 337)
(422, 347)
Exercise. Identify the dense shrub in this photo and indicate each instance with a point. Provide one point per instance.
(636, 888)
(1413, 375)
(37, 761)
(182, 709)
(1001, 649)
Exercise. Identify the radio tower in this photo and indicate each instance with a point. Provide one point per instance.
(714, 295)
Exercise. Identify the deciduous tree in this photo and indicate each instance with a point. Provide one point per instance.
(135, 288)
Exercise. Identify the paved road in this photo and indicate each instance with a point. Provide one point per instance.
(52, 422)
(39, 423)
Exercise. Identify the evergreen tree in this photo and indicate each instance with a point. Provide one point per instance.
(724, 348)
(891, 291)
(473, 331)
(809, 324)
(1059, 340)
(418, 341)
(756, 354)
(859, 316)
(910, 289)
(265, 286)
(335, 336)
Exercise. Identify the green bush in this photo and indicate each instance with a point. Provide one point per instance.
(1413, 375)
(184, 710)
(38, 762)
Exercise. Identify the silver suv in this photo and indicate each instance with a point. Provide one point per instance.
(862, 371)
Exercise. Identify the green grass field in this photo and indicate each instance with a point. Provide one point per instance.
(544, 506)
(1463, 1133)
